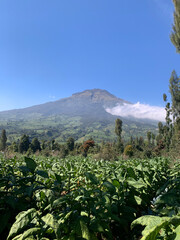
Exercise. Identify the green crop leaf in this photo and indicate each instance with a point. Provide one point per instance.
(22, 220)
(58, 178)
(152, 233)
(42, 173)
(85, 230)
(30, 164)
(17, 237)
(91, 177)
(109, 186)
(30, 233)
(116, 183)
(177, 231)
(137, 184)
(154, 224)
(131, 172)
(138, 200)
(148, 221)
(51, 221)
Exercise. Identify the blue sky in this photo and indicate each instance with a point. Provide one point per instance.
(52, 49)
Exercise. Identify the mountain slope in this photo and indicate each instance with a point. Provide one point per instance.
(89, 102)
(81, 116)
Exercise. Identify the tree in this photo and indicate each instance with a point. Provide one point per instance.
(70, 144)
(149, 136)
(128, 151)
(24, 143)
(3, 140)
(174, 88)
(175, 35)
(14, 147)
(35, 145)
(118, 131)
(86, 145)
(118, 127)
(153, 139)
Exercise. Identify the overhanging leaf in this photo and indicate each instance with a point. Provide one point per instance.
(31, 164)
(22, 220)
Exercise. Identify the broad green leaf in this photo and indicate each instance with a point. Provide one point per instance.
(138, 200)
(85, 230)
(152, 233)
(177, 231)
(147, 220)
(17, 237)
(91, 177)
(29, 233)
(31, 164)
(109, 186)
(153, 225)
(116, 183)
(137, 184)
(22, 220)
(51, 221)
(43, 174)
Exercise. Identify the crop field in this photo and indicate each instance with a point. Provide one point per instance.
(80, 198)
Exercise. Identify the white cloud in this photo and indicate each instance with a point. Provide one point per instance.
(52, 97)
(138, 110)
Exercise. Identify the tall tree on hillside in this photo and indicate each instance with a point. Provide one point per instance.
(149, 136)
(174, 87)
(24, 143)
(35, 145)
(118, 131)
(3, 140)
(175, 35)
(70, 144)
(118, 128)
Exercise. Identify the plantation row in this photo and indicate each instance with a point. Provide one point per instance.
(80, 198)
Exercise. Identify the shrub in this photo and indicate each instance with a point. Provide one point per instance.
(128, 151)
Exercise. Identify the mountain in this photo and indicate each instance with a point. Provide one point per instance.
(91, 103)
(81, 116)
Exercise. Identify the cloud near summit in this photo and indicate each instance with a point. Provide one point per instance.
(138, 110)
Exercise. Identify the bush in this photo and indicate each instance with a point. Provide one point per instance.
(128, 151)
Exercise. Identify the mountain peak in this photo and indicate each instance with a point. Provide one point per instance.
(95, 91)
(96, 95)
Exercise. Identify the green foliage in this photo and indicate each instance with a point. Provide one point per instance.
(174, 88)
(35, 145)
(70, 144)
(118, 127)
(76, 198)
(175, 35)
(24, 143)
(167, 206)
(3, 140)
(128, 151)
(157, 227)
